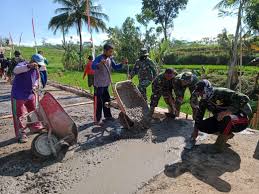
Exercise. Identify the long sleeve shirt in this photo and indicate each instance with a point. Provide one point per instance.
(24, 82)
(44, 68)
(102, 73)
(145, 69)
(223, 99)
(180, 89)
(162, 86)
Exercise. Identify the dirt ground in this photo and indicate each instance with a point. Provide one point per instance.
(199, 171)
(102, 163)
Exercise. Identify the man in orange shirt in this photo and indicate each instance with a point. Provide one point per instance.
(90, 73)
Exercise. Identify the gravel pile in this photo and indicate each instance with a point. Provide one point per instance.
(134, 104)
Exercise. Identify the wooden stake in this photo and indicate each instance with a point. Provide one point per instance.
(77, 104)
(6, 117)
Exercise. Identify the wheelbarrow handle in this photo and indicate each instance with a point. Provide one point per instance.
(113, 89)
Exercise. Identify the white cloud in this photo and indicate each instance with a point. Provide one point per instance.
(97, 38)
(100, 38)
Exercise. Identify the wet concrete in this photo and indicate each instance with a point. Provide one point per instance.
(99, 164)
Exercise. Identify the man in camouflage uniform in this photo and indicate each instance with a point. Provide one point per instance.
(146, 70)
(230, 111)
(181, 82)
(163, 86)
(14, 61)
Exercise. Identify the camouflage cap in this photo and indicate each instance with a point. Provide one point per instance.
(143, 52)
(17, 53)
(204, 86)
(186, 76)
(171, 71)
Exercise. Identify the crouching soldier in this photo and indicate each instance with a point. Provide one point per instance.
(181, 83)
(163, 86)
(230, 111)
(146, 70)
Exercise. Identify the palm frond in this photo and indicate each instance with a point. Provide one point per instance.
(227, 4)
(99, 15)
(62, 10)
(74, 10)
(65, 3)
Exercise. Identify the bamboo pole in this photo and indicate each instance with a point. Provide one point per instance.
(257, 114)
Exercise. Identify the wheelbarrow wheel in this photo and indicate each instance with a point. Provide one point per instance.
(40, 145)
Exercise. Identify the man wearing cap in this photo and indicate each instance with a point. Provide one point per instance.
(230, 111)
(163, 86)
(22, 95)
(102, 66)
(1, 56)
(146, 70)
(181, 83)
(14, 61)
(2, 64)
(43, 70)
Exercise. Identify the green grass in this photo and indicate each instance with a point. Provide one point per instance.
(247, 69)
(74, 78)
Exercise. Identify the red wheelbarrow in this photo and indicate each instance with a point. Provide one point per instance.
(61, 130)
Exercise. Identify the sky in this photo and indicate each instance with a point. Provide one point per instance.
(197, 21)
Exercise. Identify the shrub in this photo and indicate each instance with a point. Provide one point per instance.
(200, 59)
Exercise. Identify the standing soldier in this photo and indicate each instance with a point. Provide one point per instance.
(14, 61)
(1, 56)
(146, 70)
(230, 111)
(163, 86)
(181, 82)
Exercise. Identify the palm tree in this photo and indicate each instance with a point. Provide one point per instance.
(73, 13)
(57, 24)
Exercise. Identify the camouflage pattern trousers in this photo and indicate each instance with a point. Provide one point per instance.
(143, 84)
(193, 102)
(169, 100)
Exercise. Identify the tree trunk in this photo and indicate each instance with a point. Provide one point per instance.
(165, 33)
(164, 27)
(232, 71)
(256, 82)
(64, 36)
(81, 44)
